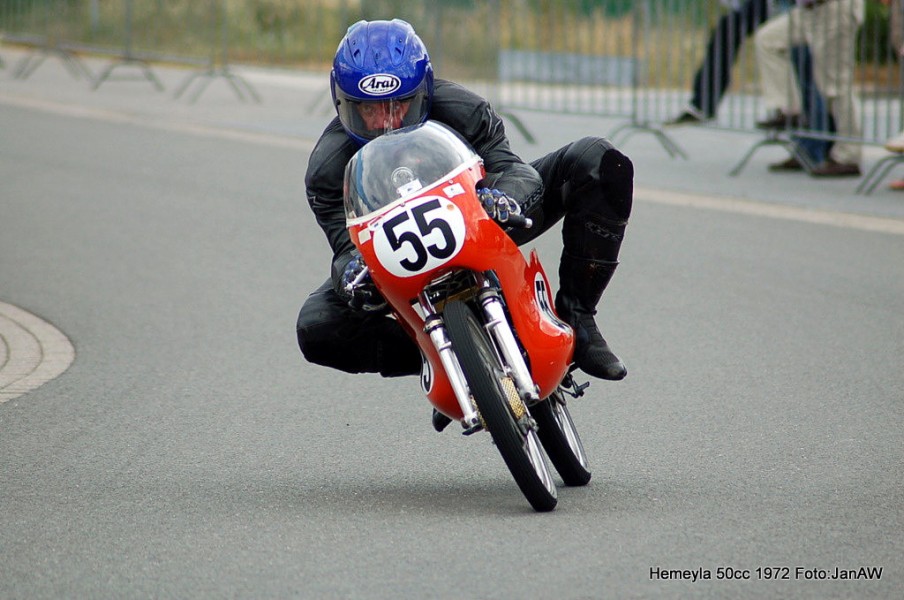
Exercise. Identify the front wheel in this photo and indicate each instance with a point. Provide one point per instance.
(560, 439)
(500, 407)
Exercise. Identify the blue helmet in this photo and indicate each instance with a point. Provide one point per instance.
(381, 80)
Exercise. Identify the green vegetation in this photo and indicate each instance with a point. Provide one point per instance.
(464, 35)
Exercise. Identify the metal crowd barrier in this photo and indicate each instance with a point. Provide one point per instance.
(643, 65)
(632, 60)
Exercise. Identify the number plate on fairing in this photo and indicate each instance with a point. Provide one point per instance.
(419, 236)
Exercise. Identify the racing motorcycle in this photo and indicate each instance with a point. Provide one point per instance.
(496, 357)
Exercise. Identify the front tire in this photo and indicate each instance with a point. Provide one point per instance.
(498, 402)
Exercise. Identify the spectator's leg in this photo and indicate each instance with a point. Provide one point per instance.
(714, 75)
(831, 31)
(773, 42)
(815, 150)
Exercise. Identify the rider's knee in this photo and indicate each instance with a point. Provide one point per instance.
(615, 166)
(323, 344)
(597, 159)
(312, 341)
(315, 327)
(584, 155)
(617, 181)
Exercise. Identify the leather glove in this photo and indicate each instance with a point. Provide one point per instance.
(502, 209)
(356, 287)
(497, 204)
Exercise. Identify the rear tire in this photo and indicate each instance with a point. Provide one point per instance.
(519, 445)
(560, 439)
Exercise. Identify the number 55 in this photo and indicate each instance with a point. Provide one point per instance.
(421, 236)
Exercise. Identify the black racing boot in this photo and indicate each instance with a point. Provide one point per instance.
(440, 421)
(582, 282)
(598, 204)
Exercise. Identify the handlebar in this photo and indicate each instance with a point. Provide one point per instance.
(358, 279)
(518, 221)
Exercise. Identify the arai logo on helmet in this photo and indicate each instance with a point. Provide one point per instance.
(379, 84)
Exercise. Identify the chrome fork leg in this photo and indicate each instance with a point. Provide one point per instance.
(499, 328)
(436, 329)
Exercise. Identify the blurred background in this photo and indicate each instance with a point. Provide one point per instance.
(601, 57)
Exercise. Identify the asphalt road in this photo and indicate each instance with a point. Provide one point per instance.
(189, 452)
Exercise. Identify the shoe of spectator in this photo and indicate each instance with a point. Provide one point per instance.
(792, 164)
(691, 116)
(896, 144)
(780, 120)
(830, 168)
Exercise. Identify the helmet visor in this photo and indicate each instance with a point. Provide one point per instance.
(369, 119)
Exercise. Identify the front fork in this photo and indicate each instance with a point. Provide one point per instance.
(436, 329)
(500, 330)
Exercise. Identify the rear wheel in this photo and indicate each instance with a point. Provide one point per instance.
(502, 410)
(560, 439)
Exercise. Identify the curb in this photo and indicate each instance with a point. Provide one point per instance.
(32, 352)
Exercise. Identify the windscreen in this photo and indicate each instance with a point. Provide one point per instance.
(401, 163)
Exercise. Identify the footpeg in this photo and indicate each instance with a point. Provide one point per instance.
(573, 388)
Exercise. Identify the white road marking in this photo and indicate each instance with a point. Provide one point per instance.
(656, 195)
(32, 352)
(158, 123)
(773, 211)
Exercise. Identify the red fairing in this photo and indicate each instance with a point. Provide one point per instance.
(444, 228)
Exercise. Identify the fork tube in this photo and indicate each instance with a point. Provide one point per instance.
(499, 327)
(436, 329)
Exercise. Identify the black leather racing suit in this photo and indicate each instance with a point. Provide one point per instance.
(573, 181)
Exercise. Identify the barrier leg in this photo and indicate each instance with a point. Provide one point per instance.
(520, 126)
(667, 143)
(322, 104)
(127, 61)
(239, 85)
(243, 90)
(774, 138)
(878, 173)
(30, 63)
(128, 58)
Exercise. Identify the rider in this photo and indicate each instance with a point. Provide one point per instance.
(382, 80)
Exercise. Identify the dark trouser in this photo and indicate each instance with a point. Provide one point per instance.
(814, 107)
(587, 182)
(332, 334)
(714, 75)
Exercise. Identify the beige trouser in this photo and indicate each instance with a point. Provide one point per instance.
(830, 30)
